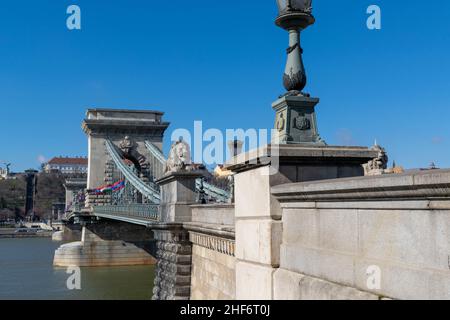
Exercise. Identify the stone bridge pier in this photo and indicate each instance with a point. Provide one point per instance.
(109, 243)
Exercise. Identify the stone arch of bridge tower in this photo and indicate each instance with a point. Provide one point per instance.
(114, 125)
(139, 161)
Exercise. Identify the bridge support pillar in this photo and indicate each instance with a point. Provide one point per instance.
(173, 273)
(174, 254)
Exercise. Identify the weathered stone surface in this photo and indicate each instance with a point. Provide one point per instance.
(93, 251)
(259, 241)
(219, 214)
(368, 226)
(173, 272)
(419, 185)
(295, 286)
(325, 264)
(417, 237)
(178, 192)
(67, 235)
(253, 197)
(253, 282)
(213, 275)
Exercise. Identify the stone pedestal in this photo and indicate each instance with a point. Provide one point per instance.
(296, 120)
(177, 194)
(259, 226)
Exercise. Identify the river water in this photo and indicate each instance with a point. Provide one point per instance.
(27, 273)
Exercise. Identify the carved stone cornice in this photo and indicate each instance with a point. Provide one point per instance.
(95, 127)
(170, 232)
(215, 230)
(429, 184)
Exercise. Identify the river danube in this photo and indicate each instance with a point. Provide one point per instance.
(27, 273)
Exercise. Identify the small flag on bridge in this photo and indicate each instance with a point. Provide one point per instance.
(112, 187)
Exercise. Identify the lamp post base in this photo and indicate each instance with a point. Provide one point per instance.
(296, 122)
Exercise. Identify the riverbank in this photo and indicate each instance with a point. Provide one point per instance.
(6, 233)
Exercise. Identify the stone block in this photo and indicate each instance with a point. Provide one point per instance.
(301, 227)
(416, 238)
(338, 230)
(253, 282)
(295, 286)
(175, 212)
(401, 282)
(259, 241)
(213, 214)
(252, 189)
(325, 264)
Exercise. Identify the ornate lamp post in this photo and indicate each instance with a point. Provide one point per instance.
(295, 119)
(294, 16)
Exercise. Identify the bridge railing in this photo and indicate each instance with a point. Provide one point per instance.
(131, 211)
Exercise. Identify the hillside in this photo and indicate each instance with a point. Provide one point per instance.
(12, 197)
(49, 189)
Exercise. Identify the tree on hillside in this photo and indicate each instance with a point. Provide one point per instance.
(49, 189)
(3, 204)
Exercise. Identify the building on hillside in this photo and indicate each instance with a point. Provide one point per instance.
(67, 165)
(5, 174)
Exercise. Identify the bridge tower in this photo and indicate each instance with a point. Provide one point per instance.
(128, 130)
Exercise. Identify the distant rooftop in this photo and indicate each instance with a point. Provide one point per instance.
(69, 161)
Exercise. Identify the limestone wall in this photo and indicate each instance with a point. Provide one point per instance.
(213, 275)
(213, 262)
(340, 235)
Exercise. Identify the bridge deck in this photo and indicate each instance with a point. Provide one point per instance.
(140, 214)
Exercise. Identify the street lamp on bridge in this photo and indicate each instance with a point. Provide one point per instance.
(295, 119)
(294, 16)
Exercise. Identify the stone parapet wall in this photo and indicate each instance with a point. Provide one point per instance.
(213, 275)
(212, 235)
(213, 262)
(369, 237)
(214, 214)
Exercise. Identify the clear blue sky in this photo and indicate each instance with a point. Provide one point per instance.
(221, 62)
